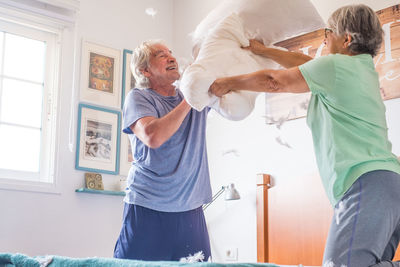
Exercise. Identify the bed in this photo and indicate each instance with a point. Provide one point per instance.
(21, 260)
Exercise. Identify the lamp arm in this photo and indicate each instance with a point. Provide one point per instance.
(214, 197)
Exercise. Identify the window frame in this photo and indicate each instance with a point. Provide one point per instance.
(51, 33)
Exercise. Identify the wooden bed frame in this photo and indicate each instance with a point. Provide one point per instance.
(293, 220)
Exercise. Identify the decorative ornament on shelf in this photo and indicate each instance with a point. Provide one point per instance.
(94, 181)
(122, 183)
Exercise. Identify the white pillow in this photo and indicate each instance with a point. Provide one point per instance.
(218, 40)
(268, 20)
(221, 55)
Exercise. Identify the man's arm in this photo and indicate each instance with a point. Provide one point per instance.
(284, 58)
(272, 81)
(154, 132)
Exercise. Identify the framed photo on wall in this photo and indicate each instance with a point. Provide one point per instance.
(98, 139)
(128, 81)
(100, 75)
(126, 156)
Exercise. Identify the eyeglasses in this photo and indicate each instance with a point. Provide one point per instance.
(327, 30)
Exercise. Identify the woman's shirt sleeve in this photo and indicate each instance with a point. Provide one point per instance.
(319, 74)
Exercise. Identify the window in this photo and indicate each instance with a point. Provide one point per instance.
(28, 94)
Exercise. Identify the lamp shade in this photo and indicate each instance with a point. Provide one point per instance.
(231, 193)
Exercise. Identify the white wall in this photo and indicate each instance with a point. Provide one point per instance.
(232, 225)
(68, 223)
(187, 14)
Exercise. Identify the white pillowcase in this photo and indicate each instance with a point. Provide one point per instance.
(268, 20)
(218, 40)
(221, 55)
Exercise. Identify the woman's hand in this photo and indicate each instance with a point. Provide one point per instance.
(256, 47)
(220, 87)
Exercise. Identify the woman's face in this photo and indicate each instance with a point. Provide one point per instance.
(336, 44)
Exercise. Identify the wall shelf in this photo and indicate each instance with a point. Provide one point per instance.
(101, 192)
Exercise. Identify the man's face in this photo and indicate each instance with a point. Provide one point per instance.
(163, 67)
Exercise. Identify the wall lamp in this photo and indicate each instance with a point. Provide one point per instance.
(230, 194)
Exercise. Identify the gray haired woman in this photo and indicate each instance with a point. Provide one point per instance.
(346, 115)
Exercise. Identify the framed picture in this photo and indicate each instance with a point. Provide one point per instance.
(126, 156)
(98, 139)
(128, 81)
(100, 75)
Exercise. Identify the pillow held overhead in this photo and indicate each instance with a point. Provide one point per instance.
(218, 40)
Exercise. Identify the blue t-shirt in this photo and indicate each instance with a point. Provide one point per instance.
(173, 177)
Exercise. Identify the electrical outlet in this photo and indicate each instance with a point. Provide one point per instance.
(231, 254)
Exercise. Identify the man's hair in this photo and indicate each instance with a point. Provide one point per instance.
(140, 61)
(362, 24)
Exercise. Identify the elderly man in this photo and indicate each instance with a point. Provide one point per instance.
(169, 180)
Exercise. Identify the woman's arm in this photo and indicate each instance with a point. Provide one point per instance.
(285, 58)
(273, 81)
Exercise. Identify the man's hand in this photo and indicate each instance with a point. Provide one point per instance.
(220, 87)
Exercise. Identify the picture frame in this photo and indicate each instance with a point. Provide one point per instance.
(98, 139)
(126, 156)
(100, 75)
(128, 81)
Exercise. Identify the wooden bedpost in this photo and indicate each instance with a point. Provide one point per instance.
(263, 184)
(293, 219)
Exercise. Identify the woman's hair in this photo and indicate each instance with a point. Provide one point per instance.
(140, 61)
(362, 24)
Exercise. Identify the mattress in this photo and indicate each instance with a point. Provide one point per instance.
(21, 260)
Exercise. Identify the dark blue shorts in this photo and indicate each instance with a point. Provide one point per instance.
(152, 235)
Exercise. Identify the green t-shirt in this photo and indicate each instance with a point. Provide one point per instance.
(347, 118)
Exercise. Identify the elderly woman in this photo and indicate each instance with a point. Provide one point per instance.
(347, 119)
